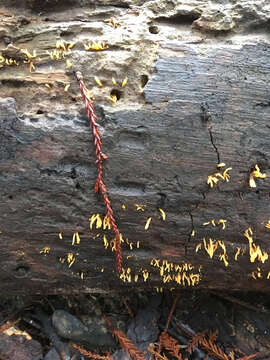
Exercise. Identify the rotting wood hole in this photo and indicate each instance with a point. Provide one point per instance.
(161, 202)
(13, 82)
(154, 29)
(144, 80)
(73, 173)
(22, 271)
(179, 19)
(39, 112)
(117, 93)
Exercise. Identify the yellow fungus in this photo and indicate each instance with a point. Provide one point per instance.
(113, 245)
(147, 223)
(123, 207)
(206, 223)
(237, 253)
(167, 278)
(98, 81)
(226, 175)
(124, 82)
(252, 183)
(45, 250)
(257, 173)
(67, 87)
(185, 277)
(211, 247)
(100, 45)
(70, 45)
(78, 240)
(113, 98)
(112, 22)
(138, 244)
(193, 233)
(140, 207)
(60, 236)
(195, 278)
(222, 257)
(105, 241)
(48, 86)
(28, 54)
(73, 239)
(213, 222)
(154, 262)
(219, 175)
(221, 165)
(81, 275)
(2, 59)
(95, 218)
(131, 246)
(163, 215)
(136, 277)
(114, 81)
(253, 275)
(106, 223)
(71, 262)
(60, 45)
(268, 225)
(177, 278)
(68, 63)
(145, 275)
(254, 250)
(223, 222)
(268, 275)
(198, 247)
(211, 180)
(102, 270)
(31, 66)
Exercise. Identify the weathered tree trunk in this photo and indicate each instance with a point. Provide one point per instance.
(197, 95)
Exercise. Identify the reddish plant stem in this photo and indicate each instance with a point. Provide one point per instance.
(99, 185)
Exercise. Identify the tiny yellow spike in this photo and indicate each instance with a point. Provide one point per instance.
(124, 82)
(68, 63)
(163, 215)
(147, 223)
(98, 81)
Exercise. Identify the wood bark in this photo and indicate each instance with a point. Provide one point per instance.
(189, 105)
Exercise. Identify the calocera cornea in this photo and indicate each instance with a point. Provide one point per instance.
(163, 215)
(255, 251)
(95, 219)
(98, 81)
(146, 227)
(140, 207)
(113, 22)
(96, 46)
(211, 247)
(124, 82)
(46, 250)
(112, 98)
(256, 173)
(214, 178)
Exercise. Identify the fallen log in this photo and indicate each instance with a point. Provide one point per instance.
(186, 137)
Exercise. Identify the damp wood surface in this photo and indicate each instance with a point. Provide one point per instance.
(194, 97)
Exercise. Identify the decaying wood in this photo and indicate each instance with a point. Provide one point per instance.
(191, 102)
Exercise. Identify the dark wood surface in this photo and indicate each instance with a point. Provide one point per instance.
(201, 108)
